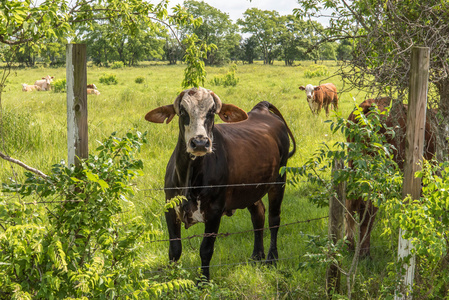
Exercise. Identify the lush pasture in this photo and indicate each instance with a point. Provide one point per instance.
(36, 134)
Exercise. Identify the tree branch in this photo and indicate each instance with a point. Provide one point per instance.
(18, 162)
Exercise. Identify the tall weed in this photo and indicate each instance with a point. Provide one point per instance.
(20, 132)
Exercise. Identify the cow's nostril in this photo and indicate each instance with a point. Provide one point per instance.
(207, 144)
(192, 144)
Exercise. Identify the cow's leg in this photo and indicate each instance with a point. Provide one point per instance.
(174, 232)
(257, 211)
(366, 213)
(275, 196)
(207, 245)
(366, 227)
(326, 108)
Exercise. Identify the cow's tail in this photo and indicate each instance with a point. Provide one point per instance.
(274, 110)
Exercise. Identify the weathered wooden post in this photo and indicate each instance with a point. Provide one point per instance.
(416, 119)
(76, 77)
(336, 228)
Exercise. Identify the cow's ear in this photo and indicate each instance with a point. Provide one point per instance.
(231, 113)
(302, 88)
(158, 115)
(317, 88)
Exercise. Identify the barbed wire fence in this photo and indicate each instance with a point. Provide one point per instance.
(54, 201)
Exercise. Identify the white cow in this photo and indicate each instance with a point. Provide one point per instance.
(45, 83)
(29, 88)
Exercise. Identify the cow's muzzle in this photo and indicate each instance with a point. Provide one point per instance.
(200, 146)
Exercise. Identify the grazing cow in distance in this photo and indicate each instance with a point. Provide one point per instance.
(397, 119)
(220, 168)
(92, 86)
(29, 88)
(321, 96)
(45, 83)
(93, 92)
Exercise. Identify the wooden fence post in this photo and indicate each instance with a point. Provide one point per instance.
(416, 119)
(336, 229)
(76, 78)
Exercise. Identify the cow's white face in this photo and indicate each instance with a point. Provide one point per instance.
(196, 110)
(310, 89)
(309, 92)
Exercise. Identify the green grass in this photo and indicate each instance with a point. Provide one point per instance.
(122, 107)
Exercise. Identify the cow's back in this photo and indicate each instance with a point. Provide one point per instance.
(329, 91)
(255, 150)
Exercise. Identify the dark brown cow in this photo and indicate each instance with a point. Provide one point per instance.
(223, 167)
(397, 119)
(319, 96)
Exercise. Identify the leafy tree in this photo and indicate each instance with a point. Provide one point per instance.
(383, 33)
(217, 28)
(265, 26)
(172, 51)
(26, 56)
(344, 50)
(250, 49)
(297, 36)
(290, 39)
(329, 51)
(100, 49)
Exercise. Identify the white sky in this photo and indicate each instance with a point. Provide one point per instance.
(236, 8)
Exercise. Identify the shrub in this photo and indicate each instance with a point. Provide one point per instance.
(140, 79)
(229, 79)
(75, 241)
(108, 79)
(59, 86)
(117, 65)
(316, 71)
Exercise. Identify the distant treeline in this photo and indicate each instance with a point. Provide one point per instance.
(259, 35)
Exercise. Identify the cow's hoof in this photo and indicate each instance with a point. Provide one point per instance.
(258, 257)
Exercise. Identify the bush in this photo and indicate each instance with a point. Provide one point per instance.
(316, 71)
(140, 79)
(108, 79)
(70, 238)
(117, 65)
(59, 86)
(229, 79)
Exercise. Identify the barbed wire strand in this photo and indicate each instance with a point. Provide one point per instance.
(172, 188)
(226, 234)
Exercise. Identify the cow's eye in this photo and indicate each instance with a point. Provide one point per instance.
(210, 114)
(182, 111)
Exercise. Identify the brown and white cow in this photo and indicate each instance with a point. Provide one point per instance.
(321, 96)
(397, 119)
(45, 83)
(29, 88)
(223, 167)
(92, 86)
